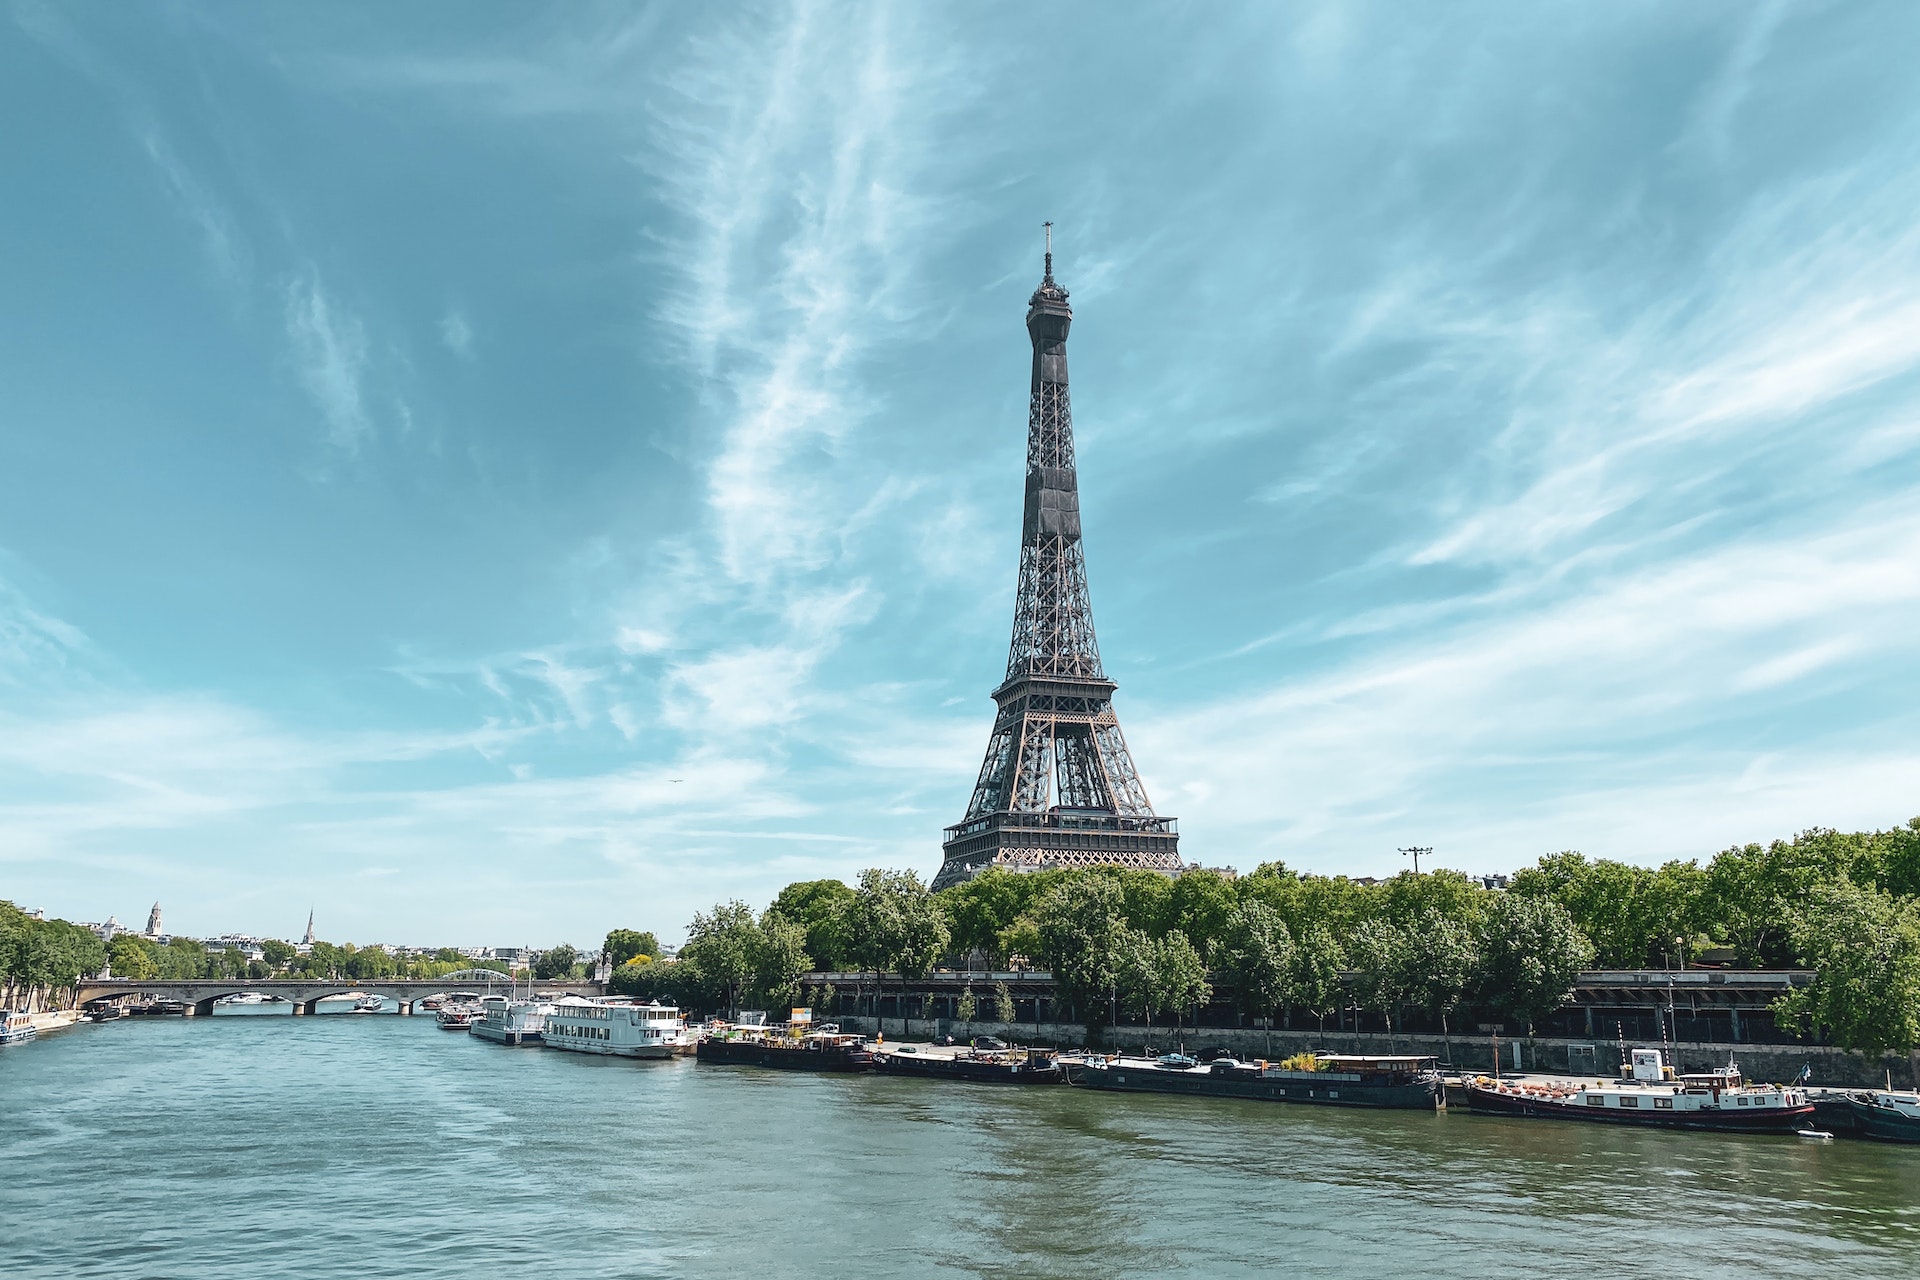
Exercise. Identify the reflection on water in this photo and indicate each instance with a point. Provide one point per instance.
(384, 1146)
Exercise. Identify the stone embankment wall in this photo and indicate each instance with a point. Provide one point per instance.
(1470, 1052)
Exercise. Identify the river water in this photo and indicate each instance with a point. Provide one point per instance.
(360, 1147)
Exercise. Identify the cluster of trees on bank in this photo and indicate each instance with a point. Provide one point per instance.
(42, 960)
(1137, 943)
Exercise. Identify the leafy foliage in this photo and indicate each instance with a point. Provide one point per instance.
(623, 945)
(1865, 948)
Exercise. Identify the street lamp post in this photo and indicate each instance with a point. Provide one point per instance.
(1416, 851)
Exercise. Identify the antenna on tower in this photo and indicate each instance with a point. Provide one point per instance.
(1049, 227)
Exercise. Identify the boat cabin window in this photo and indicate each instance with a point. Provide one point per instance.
(1596, 1100)
(1629, 1102)
(1663, 1104)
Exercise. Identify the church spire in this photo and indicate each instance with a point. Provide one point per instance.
(308, 940)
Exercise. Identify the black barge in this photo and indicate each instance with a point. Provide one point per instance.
(1409, 1083)
(1010, 1066)
(818, 1051)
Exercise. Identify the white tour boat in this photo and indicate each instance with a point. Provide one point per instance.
(16, 1027)
(244, 998)
(370, 1004)
(615, 1025)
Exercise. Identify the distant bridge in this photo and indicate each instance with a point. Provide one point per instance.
(199, 994)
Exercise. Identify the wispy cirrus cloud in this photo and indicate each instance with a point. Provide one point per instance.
(329, 345)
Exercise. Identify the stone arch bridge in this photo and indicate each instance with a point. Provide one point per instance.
(198, 994)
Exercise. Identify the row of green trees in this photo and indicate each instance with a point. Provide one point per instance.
(41, 961)
(1133, 942)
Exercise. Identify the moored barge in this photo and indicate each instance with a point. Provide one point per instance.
(1410, 1082)
(1651, 1096)
(983, 1066)
(1885, 1115)
(761, 1047)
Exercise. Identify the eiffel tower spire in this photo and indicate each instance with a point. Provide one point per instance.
(1058, 786)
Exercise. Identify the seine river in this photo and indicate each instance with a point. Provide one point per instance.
(357, 1147)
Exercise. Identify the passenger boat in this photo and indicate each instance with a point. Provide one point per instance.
(16, 1028)
(370, 1004)
(1408, 1082)
(614, 1025)
(786, 1049)
(1886, 1115)
(986, 1066)
(513, 1022)
(458, 1017)
(105, 1013)
(1649, 1094)
(244, 998)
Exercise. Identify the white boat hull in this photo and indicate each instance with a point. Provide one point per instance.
(616, 1050)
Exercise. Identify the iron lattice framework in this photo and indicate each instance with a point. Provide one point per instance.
(1058, 786)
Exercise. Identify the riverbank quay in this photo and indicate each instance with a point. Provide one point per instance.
(1556, 1057)
(54, 1019)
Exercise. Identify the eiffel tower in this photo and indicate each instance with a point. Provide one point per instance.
(1058, 787)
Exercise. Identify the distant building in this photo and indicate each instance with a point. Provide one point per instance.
(109, 931)
(1492, 882)
(153, 922)
(308, 940)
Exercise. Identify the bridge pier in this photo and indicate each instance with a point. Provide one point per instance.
(406, 1008)
(299, 1010)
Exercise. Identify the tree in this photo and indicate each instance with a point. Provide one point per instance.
(129, 958)
(1530, 954)
(1632, 915)
(818, 907)
(1003, 1007)
(623, 945)
(1441, 959)
(1198, 906)
(277, 954)
(1864, 948)
(1162, 973)
(965, 1007)
(1083, 938)
(980, 912)
(721, 948)
(637, 977)
(893, 925)
(1316, 981)
(1254, 952)
(778, 955)
(1379, 954)
(1753, 894)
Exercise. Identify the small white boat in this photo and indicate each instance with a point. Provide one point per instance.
(1814, 1135)
(244, 998)
(513, 1022)
(16, 1028)
(370, 1004)
(458, 1017)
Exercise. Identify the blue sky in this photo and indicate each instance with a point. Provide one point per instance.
(492, 474)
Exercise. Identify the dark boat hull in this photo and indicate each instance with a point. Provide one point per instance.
(1767, 1120)
(929, 1067)
(750, 1053)
(1883, 1123)
(1409, 1095)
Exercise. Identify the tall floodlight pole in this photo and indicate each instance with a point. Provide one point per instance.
(1058, 787)
(1416, 851)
